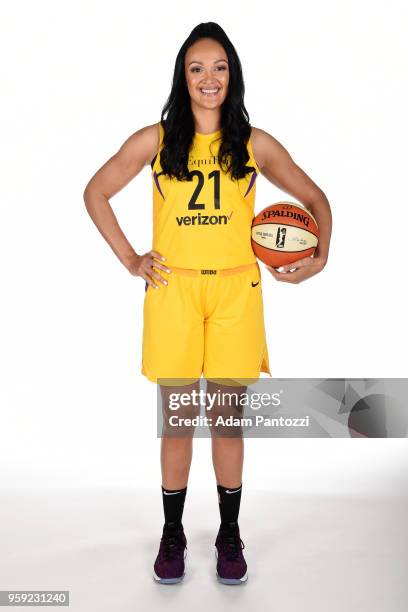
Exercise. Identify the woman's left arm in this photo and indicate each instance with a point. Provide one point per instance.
(277, 166)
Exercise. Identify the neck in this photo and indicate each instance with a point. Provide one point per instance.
(206, 121)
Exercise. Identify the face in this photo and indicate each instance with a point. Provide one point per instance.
(207, 73)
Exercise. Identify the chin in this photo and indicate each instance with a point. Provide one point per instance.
(209, 103)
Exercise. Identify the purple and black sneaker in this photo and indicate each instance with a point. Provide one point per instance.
(169, 564)
(231, 565)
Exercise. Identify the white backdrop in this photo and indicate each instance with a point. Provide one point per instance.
(328, 80)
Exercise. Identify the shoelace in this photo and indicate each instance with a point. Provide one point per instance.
(171, 546)
(232, 545)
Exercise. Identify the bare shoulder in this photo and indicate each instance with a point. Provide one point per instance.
(265, 147)
(142, 145)
(136, 152)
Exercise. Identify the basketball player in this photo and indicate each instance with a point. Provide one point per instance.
(203, 309)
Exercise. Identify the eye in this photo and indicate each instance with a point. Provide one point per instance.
(197, 68)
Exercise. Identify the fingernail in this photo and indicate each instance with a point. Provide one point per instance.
(165, 282)
(163, 258)
(167, 270)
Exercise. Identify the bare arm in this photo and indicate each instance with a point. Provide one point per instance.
(276, 164)
(136, 152)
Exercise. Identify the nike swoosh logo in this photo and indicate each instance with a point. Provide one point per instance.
(229, 216)
(228, 491)
(255, 284)
(175, 492)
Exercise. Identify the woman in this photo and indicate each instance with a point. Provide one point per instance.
(203, 310)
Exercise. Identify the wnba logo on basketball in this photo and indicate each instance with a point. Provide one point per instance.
(280, 237)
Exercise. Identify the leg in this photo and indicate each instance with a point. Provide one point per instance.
(173, 345)
(227, 449)
(176, 449)
(235, 349)
(226, 441)
(228, 457)
(176, 454)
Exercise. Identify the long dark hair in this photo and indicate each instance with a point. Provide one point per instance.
(179, 126)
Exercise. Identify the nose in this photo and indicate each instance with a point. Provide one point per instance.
(208, 73)
(208, 80)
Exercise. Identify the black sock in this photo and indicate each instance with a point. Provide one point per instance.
(173, 506)
(229, 500)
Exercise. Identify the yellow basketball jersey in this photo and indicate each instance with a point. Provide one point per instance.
(206, 222)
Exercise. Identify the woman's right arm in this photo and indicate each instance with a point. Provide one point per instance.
(135, 153)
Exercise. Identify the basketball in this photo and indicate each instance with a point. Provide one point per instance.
(283, 233)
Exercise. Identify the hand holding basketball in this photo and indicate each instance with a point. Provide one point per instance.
(304, 268)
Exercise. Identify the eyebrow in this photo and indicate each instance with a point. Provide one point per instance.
(197, 62)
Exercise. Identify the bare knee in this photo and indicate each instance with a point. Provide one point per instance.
(180, 405)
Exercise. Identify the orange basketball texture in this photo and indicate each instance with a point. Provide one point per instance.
(283, 233)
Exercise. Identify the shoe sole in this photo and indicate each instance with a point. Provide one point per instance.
(169, 580)
(230, 580)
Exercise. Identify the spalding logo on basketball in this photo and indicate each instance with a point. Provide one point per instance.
(283, 233)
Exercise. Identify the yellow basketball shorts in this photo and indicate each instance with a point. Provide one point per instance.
(208, 322)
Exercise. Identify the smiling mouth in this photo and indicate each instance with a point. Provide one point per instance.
(210, 91)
